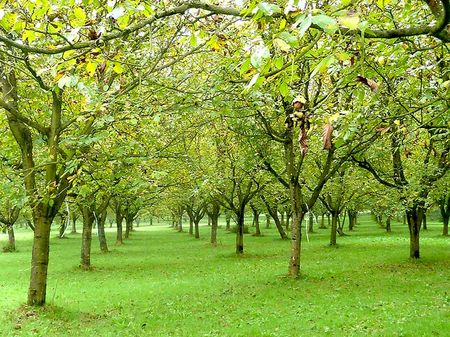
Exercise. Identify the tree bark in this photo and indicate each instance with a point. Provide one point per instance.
(191, 226)
(196, 230)
(86, 238)
(214, 214)
(240, 231)
(101, 232)
(388, 224)
(444, 207)
(414, 219)
(256, 221)
(119, 221)
(322, 221)
(227, 221)
(334, 225)
(39, 260)
(11, 246)
(267, 221)
(296, 234)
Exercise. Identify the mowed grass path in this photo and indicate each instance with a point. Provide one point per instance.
(163, 283)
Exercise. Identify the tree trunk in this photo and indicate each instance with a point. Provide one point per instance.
(388, 224)
(119, 221)
(256, 221)
(288, 221)
(328, 219)
(86, 238)
(209, 220)
(101, 232)
(267, 221)
(39, 260)
(128, 226)
(296, 234)
(334, 225)
(214, 225)
(414, 219)
(444, 207)
(322, 221)
(227, 221)
(11, 246)
(240, 231)
(74, 226)
(197, 231)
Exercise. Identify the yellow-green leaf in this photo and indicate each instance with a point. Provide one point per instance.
(351, 22)
(90, 68)
(118, 68)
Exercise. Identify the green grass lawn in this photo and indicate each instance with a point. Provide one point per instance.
(164, 283)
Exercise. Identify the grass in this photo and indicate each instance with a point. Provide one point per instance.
(164, 283)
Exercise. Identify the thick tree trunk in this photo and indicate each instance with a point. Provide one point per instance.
(101, 232)
(240, 232)
(197, 231)
(128, 227)
(86, 238)
(414, 218)
(334, 225)
(39, 260)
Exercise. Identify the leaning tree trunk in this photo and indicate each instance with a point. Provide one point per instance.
(101, 232)
(39, 260)
(86, 238)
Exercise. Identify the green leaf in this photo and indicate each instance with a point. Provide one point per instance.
(327, 23)
(291, 39)
(245, 66)
(323, 65)
(268, 9)
(284, 89)
(279, 62)
(306, 23)
(64, 81)
(193, 40)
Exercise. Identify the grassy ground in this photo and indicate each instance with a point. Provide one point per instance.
(163, 283)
